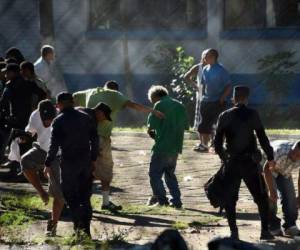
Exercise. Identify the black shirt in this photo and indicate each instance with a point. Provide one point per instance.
(16, 101)
(75, 134)
(237, 125)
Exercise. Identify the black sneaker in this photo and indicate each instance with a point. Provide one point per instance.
(51, 229)
(266, 235)
(201, 148)
(152, 201)
(176, 206)
(111, 207)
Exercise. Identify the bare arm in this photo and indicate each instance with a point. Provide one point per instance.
(191, 75)
(269, 181)
(226, 92)
(143, 109)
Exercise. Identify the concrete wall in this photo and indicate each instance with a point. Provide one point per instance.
(19, 25)
(92, 57)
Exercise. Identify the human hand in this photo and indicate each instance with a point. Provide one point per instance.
(273, 196)
(47, 171)
(272, 165)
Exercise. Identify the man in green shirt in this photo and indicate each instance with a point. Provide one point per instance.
(168, 134)
(111, 96)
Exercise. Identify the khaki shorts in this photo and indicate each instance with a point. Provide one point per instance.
(34, 159)
(104, 163)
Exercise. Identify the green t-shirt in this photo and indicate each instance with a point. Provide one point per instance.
(114, 99)
(169, 132)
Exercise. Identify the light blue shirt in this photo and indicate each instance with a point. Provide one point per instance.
(214, 79)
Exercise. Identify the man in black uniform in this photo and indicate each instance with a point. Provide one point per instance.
(241, 157)
(75, 134)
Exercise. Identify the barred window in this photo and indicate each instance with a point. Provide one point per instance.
(139, 14)
(261, 13)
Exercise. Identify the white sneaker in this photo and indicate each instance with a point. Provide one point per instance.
(292, 231)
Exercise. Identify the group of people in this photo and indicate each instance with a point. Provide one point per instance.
(72, 141)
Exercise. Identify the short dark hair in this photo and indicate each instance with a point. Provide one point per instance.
(113, 85)
(27, 65)
(15, 53)
(297, 145)
(213, 52)
(241, 92)
(46, 49)
(65, 98)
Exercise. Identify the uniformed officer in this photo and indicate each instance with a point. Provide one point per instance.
(241, 157)
(75, 134)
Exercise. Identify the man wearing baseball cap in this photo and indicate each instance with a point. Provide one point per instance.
(32, 162)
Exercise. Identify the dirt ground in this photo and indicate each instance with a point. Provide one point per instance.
(198, 222)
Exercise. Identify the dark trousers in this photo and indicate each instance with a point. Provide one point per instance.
(76, 181)
(237, 170)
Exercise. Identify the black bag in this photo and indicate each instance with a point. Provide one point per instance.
(215, 189)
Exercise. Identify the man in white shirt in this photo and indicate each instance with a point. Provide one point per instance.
(33, 161)
(46, 69)
(279, 178)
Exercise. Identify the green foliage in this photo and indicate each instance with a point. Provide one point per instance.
(173, 60)
(14, 218)
(277, 72)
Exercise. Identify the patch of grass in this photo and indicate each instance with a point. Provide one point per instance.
(283, 131)
(204, 221)
(14, 218)
(130, 129)
(180, 225)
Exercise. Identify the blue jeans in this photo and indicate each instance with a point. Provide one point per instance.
(286, 189)
(164, 164)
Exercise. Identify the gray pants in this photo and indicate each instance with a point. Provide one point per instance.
(34, 159)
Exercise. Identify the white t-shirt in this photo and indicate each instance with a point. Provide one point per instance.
(50, 75)
(35, 126)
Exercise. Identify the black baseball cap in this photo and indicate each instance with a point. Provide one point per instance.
(11, 67)
(47, 110)
(64, 97)
(105, 109)
(241, 91)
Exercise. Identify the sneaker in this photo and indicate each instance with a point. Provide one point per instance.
(276, 232)
(152, 201)
(51, 228)
(201, 148)
(111, 207)
(266, 235)
(176, 206)
(292, 231)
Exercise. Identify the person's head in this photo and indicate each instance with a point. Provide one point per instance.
(295, 152)
(240, 94)
(156, 92)
(211, 56)
(64, 100)
(2, 74)
(27, 70)
(47, 112)
(169, 239)
(12, 70)
(102, 112)
(202, 60)
(47, 52)
(14, 53)
(112, 85)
